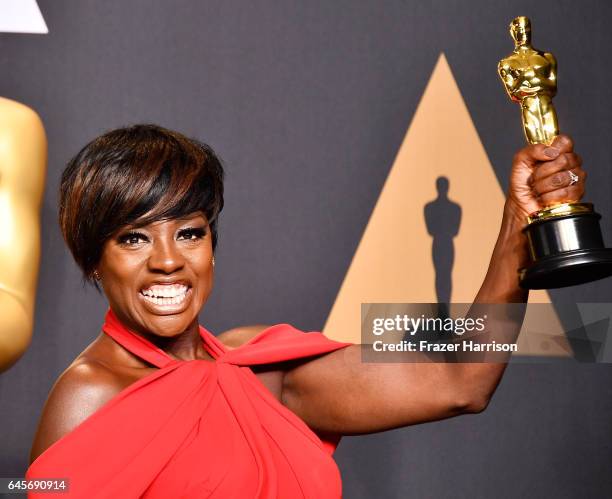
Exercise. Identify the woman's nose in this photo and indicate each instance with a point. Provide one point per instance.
(165, 257)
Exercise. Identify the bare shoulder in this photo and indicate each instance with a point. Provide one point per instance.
(233, 338)
(80, 390)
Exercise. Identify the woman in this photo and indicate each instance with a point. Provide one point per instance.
(156, 406)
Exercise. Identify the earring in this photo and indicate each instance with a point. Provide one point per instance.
(96, 275)
(213, 261)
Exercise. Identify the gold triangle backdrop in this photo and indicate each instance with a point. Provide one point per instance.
(393, 262)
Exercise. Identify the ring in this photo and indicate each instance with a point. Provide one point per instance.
(573, 178)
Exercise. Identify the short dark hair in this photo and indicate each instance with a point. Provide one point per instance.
(134, 176)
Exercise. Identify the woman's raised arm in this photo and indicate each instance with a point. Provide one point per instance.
(339, 393)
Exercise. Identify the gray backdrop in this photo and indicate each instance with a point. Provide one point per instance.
(307, 103)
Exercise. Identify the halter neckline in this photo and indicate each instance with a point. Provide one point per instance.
(213, 429)
(277, 343)
(146, 350)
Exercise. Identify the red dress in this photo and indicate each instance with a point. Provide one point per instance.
(198, 428)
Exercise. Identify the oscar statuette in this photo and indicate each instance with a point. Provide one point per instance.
(565, 240)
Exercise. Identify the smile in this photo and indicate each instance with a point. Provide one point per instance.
(165, 295)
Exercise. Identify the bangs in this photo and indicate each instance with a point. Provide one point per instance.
(135, 176)
(170, 200)
(170, 189)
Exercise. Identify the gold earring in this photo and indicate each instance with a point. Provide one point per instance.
(96, 275)
(213, 261)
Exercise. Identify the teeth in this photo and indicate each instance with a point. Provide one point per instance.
(175, 300)
(165, 291)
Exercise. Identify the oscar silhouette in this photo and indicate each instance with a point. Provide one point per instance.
(443, 218)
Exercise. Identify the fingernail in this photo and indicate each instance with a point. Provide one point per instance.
(551, 152)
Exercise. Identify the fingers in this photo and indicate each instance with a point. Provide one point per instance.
(563, 143)
(563, 195)
(546, 175)
(560, 180)
(552, 181)
(531, 155)
(567, 161)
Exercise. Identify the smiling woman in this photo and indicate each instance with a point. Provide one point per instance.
(156, 406)
(152, 198)
(158, 278)
(131, 177)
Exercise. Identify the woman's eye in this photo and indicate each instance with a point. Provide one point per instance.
(132, 238)
(192, 234)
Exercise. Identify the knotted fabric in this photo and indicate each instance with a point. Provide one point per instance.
(198, 429)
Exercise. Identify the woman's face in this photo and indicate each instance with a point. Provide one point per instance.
(158, 277)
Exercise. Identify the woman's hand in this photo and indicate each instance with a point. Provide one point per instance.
(339, 393)
(545, 175)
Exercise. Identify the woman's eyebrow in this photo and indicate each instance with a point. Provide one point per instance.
(191, 217)
(134, 226)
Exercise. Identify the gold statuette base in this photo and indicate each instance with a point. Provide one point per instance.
(566, 247)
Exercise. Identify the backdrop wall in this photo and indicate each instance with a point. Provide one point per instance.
(308, 103)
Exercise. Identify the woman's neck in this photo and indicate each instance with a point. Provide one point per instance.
(183, 346)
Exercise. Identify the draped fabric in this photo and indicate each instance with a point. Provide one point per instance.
(198, 429)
